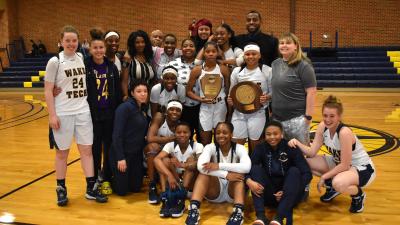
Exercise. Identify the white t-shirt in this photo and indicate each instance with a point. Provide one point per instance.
(240, 162)
(236, 54)
(174, 150)
(161, 96)
(69, 74)
(262, 77)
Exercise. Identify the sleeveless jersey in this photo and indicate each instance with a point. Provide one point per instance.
(69, 74)
(216, 70)
(164, 130)
(359, 156)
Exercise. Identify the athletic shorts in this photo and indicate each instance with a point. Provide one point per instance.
(366, 173)
(248, 125)
(212, 114)
(223, 192)
(79, 126)
(297, 128)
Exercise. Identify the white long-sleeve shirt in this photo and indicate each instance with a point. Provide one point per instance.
(239, 163)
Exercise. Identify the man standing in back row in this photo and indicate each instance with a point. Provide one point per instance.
(268, 44)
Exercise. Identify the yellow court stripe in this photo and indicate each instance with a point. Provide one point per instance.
(393, 116)
(27, 84)
(28, 97)
(393, 53)
(35, 78)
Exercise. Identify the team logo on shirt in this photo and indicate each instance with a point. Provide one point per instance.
(78, 83)
(375, 142)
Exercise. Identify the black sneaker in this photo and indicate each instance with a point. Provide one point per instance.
(357, 203)
(177, 210)
(165, 209)
(153, 195)
(193, 217)
(95, 194)
(236, 217)
(329, 195)
(62, 199)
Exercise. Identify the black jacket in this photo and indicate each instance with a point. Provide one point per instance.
(114, 87)
(268, 45)
(277, 162)
(130, 129)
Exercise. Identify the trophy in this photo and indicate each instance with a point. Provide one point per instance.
(211, 85)
(246, 97)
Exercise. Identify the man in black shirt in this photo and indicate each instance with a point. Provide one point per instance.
(268, 44)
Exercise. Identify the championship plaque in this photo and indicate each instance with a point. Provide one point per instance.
(246, 97)
(211, 85)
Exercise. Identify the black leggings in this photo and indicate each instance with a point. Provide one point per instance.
(291, 185)
(102, 140)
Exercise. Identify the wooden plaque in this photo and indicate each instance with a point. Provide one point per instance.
(211, 85)
(246, 97)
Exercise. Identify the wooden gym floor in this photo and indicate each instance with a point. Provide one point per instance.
(27, 180)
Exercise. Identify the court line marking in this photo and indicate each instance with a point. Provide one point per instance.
(35, 180)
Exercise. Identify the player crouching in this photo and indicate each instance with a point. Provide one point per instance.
(177, 165)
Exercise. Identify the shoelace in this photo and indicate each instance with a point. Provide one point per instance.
(355, 201)
(193, 213)
(236, 216)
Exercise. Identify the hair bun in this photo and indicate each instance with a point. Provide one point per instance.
(96, 34)
(331, 99)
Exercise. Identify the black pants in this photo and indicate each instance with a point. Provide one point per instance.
(191, 116)
(102, 140)
(291, 185)
(132, 179)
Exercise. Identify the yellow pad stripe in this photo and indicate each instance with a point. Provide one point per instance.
(398, 70)
(394, 59)
(35, 78)
(396, 64)
(27, 84)
(42, 73)
(393, 53)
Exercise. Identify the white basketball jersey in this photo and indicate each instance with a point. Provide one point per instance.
(359, 156)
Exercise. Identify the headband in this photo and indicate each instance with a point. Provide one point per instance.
(169, 70)
(175, 104)
(251, 47)
(111, 33)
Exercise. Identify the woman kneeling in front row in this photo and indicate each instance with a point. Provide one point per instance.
(278, 176)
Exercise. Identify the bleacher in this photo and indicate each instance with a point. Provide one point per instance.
(357, 67)
(25, 72)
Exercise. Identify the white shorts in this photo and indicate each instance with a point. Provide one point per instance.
(79, 126)
(248, 125)
(366, 173)
(212, 114)
(223, 192)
